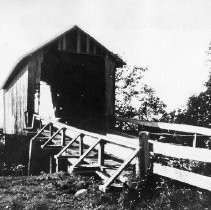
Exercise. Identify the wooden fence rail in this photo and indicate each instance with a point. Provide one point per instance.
(182, 152)
(177, 151)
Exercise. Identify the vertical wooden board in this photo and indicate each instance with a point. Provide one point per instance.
(78, 41)
(60, 43)
(87, 44)
(34, 75)
(64, 42)
(110, 85)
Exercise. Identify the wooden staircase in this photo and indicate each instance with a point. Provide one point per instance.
(83, 152)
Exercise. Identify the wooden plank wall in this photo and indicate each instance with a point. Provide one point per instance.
(110, 86)
(15, 103)
(34, 83)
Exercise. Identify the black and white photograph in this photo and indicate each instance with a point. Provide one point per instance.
(105, 105)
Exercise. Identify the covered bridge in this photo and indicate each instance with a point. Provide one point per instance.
(70, 78)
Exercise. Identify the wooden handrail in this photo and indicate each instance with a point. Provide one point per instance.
(67, 146)
(86, 153)
(169, 126)
(51, 138)
(57, 124)
(30, 146)
(44, 127)
(118, 172)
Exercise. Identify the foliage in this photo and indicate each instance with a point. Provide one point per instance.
(134, 98)
(49, 192)
(197, 111)
(11, 169)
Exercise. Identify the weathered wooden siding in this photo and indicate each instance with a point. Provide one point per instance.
(34, 83)
(15, 103)
(110, 69)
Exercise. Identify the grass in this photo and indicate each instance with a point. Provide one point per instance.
(57, 191)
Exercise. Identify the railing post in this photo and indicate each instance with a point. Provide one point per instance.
(63, 136)
(57, 165)
(51, 165)
(51, 129)
(81, 145)
(40, 124)
(194, 140)
(143, 155)
(101, 154)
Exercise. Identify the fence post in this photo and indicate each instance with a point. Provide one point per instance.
(194, 140)
(51, 165)
(143, 156)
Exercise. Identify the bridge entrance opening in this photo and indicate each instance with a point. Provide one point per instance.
(76, 88)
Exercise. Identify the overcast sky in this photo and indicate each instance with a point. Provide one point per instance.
(170, 37)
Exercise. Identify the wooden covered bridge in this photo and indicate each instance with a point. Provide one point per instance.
(59, 115)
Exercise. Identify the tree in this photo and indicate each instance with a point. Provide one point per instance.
(198, 110)
(198, 107)
(135, 99)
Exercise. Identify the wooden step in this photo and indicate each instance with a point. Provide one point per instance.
(28, 128)
(68, 156)
(86, 168)
(52, 146)
(104, 176)
(42, 138)
(32, 132)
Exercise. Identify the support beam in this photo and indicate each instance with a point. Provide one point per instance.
(40, 124)
(101, 154)
(57, 165)
(51, 129)
(63, 136)
(51, 165)
(81, 145)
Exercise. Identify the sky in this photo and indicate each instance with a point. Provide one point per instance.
(169, 37)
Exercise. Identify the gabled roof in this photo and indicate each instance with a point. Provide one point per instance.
(25, 57)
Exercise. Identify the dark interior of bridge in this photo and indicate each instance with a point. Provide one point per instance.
(77, 84)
